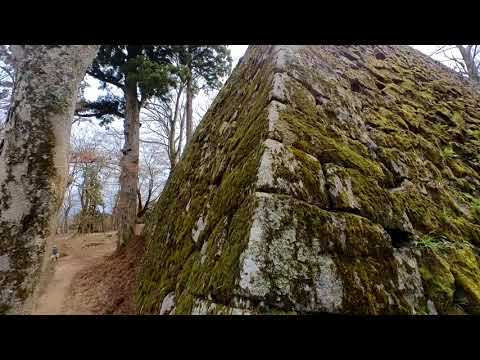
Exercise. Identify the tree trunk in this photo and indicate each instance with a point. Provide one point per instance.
(182, 125)
(65, 226)
(65, 219)
(34, 162)
(189, 124)
(127, 201)
(115, 213)
(172, 149)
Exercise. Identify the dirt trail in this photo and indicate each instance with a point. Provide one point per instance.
(78, 253)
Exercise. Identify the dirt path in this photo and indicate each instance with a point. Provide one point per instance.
(77, 253)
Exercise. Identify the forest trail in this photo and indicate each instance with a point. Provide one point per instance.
(78, 254)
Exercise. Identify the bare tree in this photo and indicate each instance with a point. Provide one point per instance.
(201, 107)
(94, 164)
(90, 162)
(7, 79)
(152, 176)
(69, 200)
(465, 59)
(89, 138)
(165, 124)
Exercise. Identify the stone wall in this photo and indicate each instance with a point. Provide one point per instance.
(339, 179)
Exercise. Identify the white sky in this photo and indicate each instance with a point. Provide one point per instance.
(237, 52)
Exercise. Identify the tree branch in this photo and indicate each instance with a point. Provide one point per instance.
(105, 78)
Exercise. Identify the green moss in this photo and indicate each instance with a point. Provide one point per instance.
(420, 209)
(364, 258)
(424, 125)
(439, 282)
(43, 184)
(302, 172)
(449, 153)
(475, 206)
(331, 149)
(439, 128)
(460, 169)
(433, 240)
(474, 133)
(451, 277)
(221, 194)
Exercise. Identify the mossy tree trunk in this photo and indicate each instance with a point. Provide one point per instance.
(34, 161)
(127, 201)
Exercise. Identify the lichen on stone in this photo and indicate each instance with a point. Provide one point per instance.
(323, 168)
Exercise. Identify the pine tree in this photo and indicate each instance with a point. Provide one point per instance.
(140, 72)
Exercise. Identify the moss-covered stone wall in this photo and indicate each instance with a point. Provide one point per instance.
(338, 179)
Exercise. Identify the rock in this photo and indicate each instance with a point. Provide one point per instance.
(199, 226)
(168, 304)
(315, 196)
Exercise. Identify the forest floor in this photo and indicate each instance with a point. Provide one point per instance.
(90, 277)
